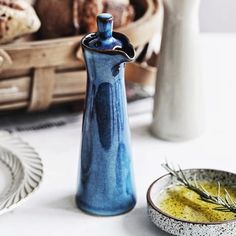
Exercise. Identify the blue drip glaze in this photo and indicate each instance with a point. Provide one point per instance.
(102, 107)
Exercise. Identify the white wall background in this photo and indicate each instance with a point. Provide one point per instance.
(218, 16)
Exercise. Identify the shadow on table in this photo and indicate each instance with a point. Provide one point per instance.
(141, 130)
(66, 203)
(137, 223)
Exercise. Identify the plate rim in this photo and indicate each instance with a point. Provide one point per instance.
(8, 144)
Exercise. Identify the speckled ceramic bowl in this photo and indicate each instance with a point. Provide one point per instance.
(179, 227)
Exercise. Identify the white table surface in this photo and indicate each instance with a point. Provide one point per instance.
(51, 210)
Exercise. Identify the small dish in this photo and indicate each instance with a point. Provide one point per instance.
(179, 227)
(21, 171)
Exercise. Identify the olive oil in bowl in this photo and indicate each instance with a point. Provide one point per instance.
(184, 204)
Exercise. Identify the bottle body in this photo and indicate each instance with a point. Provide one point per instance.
(178, 104)
(106, 179)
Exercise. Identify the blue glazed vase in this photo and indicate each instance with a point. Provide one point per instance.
(106, 180)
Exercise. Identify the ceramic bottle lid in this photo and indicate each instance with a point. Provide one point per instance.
(104, 39)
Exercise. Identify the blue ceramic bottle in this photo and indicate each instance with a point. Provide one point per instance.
(106, 180)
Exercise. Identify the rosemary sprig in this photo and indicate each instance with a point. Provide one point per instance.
(224, 203)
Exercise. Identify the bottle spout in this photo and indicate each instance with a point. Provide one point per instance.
(127, 51)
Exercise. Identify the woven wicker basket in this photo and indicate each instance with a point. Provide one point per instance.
(36, 75)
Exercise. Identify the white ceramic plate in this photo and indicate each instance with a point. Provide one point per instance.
(21, 171)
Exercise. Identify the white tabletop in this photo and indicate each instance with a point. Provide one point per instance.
(51, 210)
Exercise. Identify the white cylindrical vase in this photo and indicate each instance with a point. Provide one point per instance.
(178, 113)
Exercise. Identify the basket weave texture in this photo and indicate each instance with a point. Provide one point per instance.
(35, 75)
